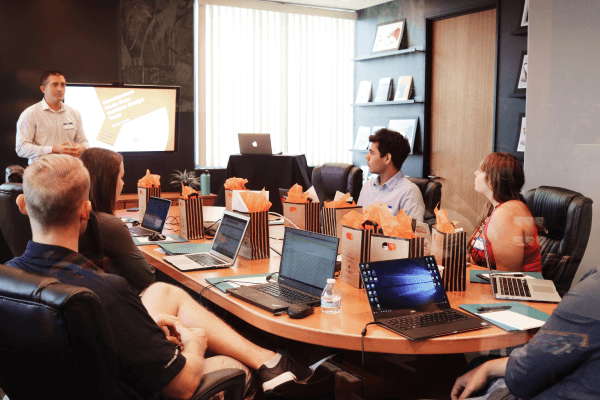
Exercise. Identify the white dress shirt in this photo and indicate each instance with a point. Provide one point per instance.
(399, 193)
(40, 128)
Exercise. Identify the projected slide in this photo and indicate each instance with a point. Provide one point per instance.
(126, 119)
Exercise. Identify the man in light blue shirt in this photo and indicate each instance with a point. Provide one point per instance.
(388, 151)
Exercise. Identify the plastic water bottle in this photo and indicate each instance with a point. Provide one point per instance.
(331, 300)
(205, 183)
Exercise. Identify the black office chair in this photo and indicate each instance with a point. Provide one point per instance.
(14, 173)
(332, 177)
(432, 195)
(55, 344)
(17, 231)
(568, 222)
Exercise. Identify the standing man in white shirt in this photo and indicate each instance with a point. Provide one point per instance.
(387, 153)
(50, 126)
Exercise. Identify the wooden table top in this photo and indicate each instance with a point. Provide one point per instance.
(344, 329)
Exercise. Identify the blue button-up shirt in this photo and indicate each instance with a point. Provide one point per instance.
(398, 193)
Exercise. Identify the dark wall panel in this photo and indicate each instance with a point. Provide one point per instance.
(416, 13)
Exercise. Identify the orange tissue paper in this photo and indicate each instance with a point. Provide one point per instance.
(295, 195)
(340, 203)
(443, 224)
(353, 219)
(149, 180)
(187, 191)
(235, 183)
(255, 202)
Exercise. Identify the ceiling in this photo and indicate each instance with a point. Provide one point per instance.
(353, 5)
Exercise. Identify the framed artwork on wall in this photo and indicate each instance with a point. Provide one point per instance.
(389, 36)
(521, 84)
(525, 16)
(522, 124)
(407, 126)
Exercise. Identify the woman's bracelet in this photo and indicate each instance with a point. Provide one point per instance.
(192, 339)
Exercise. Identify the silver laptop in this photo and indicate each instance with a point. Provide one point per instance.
(224, 249)
(154, 219)
(507, 286)
(255, 144)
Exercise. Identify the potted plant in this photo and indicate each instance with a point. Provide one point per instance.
(186, 178)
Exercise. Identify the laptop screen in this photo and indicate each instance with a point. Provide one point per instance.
(307, 260)
(404, 284)
(156, 214)
(229, 235)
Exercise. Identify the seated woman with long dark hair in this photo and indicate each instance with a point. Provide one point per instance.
(106, 183)
(507, 224)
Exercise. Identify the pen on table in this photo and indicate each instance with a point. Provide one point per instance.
(492, 308)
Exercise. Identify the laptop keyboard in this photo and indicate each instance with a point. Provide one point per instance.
(141, 231)
(205, 259)
(514, 287)
(288, 295)
(427, 319)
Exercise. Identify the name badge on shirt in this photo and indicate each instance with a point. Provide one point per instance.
(478, 244)
(69, 126)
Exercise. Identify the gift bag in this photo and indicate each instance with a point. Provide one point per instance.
(229, 198)
(255, 244)
(304, 215)
(388, 248)
(450, 251)
(144, 195)
(191, 223)
(356, 244)
(233, 184)
(332, 220)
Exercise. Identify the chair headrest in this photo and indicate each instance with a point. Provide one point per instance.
(14, 173)
(23, 285)
(335, 177)
(552, 203)
(11, 188)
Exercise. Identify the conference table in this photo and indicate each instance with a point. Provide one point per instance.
(343, 330)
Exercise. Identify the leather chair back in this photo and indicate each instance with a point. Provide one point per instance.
(17, 231)
(331, 177)
(432, 196)
(54, 341)
(568, 221)
(14, 173)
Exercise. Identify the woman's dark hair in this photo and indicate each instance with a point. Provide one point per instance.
(504, 174)
(394, 143)
(104, 166)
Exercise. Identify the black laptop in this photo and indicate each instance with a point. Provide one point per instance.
(307, 261)
(407, 296)
(154, 219)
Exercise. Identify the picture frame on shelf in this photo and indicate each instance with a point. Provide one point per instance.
(407, 127)
(522, 129)
(389, 36)
(521, 84)
(525, 15)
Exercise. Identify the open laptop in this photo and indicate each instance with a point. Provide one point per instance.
(505, 286)
(154, 219)
(224, 249)
(407, 296)
(255, 144)
(307, 261)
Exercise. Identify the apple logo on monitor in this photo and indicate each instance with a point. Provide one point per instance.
(255, 144)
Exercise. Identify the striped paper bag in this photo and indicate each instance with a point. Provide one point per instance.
(144, 195)
(450, 251)
(191, 223)
(255, 244)
(304, 215)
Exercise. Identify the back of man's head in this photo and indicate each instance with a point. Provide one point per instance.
(55, 186)
(394, 143)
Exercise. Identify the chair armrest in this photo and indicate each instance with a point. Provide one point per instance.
(232, 381)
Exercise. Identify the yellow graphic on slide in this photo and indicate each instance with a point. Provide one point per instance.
(137, 107)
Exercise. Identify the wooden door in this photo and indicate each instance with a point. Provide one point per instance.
(462, 108)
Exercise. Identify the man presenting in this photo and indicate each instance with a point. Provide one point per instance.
(50, 126)
(388, 151)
